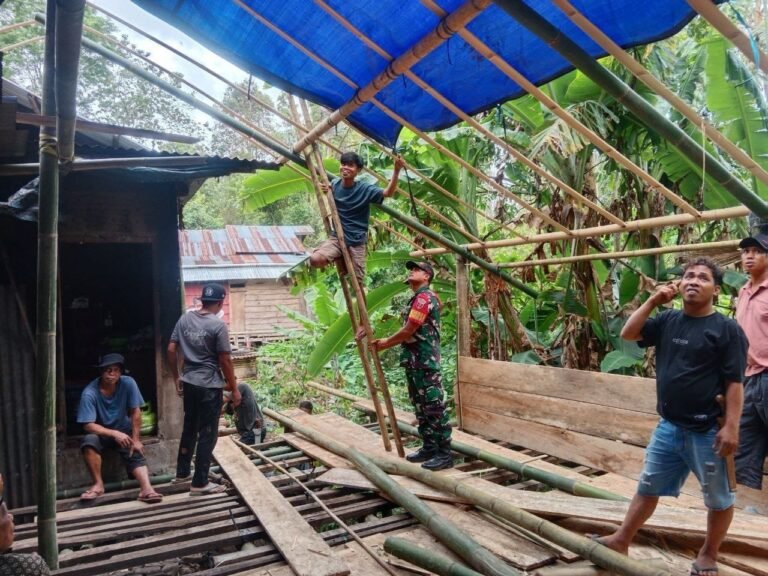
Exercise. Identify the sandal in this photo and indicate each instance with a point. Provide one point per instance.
(181, 479)
(91, 494)
(209, 488)
(151, 498)
(697, 571)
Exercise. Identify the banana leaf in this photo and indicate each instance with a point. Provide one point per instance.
(268, 186)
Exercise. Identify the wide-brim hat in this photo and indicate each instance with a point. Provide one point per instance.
(111, 359)
(758, 240)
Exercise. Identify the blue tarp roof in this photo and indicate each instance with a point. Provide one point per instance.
(454, 69)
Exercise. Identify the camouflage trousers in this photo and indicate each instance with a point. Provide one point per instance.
(425, 388)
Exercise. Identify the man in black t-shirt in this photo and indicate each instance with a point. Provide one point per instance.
(699, 354)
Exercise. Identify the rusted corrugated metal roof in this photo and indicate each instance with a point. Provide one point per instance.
(241, 252)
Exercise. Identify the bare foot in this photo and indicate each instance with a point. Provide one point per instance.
(612, 542)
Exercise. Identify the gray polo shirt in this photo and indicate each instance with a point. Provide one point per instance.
(201, 338)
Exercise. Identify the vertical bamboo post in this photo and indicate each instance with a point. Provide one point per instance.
(463, 322)
(363, 318)
(47, 264)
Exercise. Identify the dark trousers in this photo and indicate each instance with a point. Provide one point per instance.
(202, 407)
(753, 432)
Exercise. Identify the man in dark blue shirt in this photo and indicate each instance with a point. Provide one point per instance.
(700, 354)
(353, 203)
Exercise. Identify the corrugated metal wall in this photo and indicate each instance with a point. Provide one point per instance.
(16, 402)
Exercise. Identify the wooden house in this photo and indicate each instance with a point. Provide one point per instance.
(251, 261)
(119, 284)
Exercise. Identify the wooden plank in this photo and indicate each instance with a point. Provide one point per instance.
(576, 447)
(314, 451)
(627, 392)
(588, 418)
(303, 549)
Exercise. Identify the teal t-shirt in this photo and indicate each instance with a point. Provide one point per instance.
(354, 207)
(110, 412)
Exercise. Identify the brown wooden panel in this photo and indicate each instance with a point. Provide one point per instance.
(606, 422)
(627, 392)
(600, 453)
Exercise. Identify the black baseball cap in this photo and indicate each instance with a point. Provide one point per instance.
(111, 359)
(213, 292)
(758, 240)
(426, 266)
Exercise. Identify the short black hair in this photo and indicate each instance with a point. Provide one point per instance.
(351, 158)
(717, 272)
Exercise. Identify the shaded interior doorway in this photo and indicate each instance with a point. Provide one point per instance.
(107, 305)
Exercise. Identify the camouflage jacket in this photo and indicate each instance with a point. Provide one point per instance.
(422, 351)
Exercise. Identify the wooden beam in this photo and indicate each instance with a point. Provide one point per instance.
(303, 549)
(102, 128)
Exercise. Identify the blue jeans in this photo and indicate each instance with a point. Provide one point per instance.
(673, 453)
(202, 407)
(753, 432)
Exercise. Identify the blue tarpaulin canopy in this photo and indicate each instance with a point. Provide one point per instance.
(277, 49)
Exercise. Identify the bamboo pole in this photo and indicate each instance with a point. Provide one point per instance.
(453, 247)
(463, 327)
(645, 76)
(522, 469)
(564, 115)
(725, 244)
(446, 29)
(719, 21)
(585, 547)
(47, 266)
(191, 100)
(633, 102)
(467, 118)
(428, 560)
(69, 31)
(648, 223)
(16, 26)
(395, 233)
(444, 530)
(21, 43)
(368, 550)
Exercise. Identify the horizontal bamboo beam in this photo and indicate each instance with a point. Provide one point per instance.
(724, 245)
(32, 40)
(712, 14)
(102, 128)
(593, 232)
(444, 31)
(645, 76)
(16, 26)
(631, 100)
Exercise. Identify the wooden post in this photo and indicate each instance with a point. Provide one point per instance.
(463, 325)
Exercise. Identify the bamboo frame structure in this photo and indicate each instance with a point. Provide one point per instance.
(16, 26)
(633, 102)
(32, 40)
(645, 76)
(723, 245)
(556, 109)
(712, 14)
(593, 232)
(446, 28)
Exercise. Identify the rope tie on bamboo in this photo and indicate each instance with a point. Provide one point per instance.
(49, 144)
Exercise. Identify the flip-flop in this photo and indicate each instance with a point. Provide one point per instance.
(596, 538)
(151, 498)
(91, 494)
(697, 571)
(209, 488)
(181, 479)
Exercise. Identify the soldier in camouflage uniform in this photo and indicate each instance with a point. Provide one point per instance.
(420, 356)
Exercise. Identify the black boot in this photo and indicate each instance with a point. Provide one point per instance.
(440, 461)
(426, 452)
